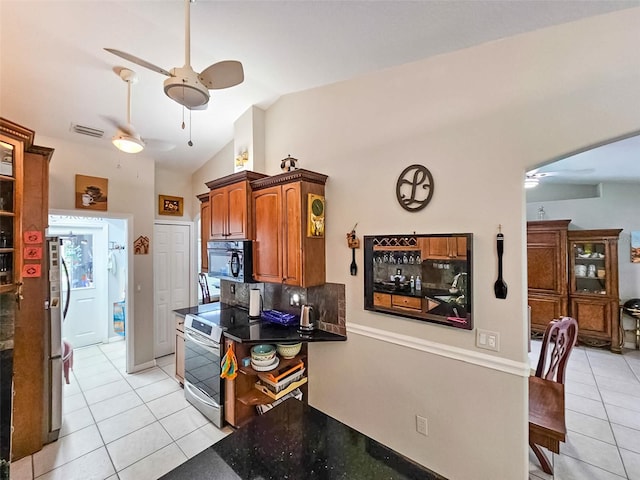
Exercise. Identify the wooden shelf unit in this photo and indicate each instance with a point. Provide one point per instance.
(241, 396)
(554, 289)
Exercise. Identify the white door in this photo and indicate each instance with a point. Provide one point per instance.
(172, 253)
(84, 250)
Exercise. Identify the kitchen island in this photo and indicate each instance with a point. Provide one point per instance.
(236, 399)
(296, 441)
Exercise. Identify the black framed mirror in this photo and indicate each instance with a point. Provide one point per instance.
(424, 277)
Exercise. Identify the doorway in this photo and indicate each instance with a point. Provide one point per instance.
(173, 270)
(94, 249)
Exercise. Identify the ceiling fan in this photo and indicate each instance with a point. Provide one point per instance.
(533, 177)
(186, 86)
(127, 138)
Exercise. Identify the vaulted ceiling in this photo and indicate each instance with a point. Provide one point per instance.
(54, 71)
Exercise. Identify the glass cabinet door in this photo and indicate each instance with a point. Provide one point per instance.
(7, 214)
(588, 268)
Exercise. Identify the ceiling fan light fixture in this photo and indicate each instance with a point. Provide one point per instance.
(530, 182)
(127, 143)
(186, 89)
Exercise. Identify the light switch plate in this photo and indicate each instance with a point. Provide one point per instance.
(421, 425)
(488, 340)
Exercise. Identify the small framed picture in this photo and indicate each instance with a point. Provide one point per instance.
(635, 247)
(168, 205)
(91, 192)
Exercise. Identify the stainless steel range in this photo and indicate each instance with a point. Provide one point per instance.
(204, 349)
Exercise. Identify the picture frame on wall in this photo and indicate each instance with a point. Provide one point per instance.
(91, 192)
(168, 205)
(635, 247)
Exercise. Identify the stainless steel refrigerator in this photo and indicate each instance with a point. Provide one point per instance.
(56, 307)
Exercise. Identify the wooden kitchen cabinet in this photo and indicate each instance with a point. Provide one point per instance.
(180, 349)
(230, 207)
(400, 302)
(381, 299)
(241, 396)
(24, 198)
(443, 248)
(404, 302)
(547, 272)
(205, 231)
(283, 252)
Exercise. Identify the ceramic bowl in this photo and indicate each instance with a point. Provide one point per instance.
(263, 352)
(288, 350)
(263, 363)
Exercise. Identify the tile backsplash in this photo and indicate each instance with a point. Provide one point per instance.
(328, 301)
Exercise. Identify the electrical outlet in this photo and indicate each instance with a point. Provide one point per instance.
(232, 288)
(488, 340)
(421, 425)
(294, 300)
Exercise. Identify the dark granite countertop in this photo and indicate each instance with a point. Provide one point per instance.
(205, 307)
(240, 328)
(296, 441)
(265, 332)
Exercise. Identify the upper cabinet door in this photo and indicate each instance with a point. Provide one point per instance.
(267, 245)
(218, 205)
(292, 235)
(237, 226)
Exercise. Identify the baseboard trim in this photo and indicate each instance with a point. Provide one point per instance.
(511, 367)
(143, 366)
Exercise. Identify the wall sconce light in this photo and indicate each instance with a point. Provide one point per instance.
(242, 159)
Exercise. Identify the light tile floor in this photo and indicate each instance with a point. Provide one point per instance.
(602, 402)
(139, 426)
(120, 426)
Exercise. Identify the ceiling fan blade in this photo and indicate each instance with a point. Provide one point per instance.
(225, 74)
(158, 145)
(126, 129)
(138, 61)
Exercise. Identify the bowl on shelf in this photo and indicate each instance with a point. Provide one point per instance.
(263, 352)
(263, 363)
(288, 350)
(273, 363)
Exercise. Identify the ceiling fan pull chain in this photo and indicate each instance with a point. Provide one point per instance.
(190, 143)
(183, 109)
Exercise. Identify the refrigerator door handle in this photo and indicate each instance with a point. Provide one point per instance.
(68, 293)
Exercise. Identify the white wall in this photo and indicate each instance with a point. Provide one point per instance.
(131, 191)
(218, 166)
(477, 118)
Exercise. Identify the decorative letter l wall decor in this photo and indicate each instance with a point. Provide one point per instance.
(414, 188)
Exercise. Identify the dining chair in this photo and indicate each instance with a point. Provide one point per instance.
(559, 338)
(204, 287)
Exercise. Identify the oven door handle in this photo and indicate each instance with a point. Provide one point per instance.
(196, 392)
(209, 346)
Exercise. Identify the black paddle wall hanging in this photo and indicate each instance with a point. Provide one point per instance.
(500, 287)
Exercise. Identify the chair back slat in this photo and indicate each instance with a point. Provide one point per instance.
(559, 338)
(204, 287)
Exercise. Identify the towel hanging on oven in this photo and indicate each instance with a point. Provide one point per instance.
(229, 364)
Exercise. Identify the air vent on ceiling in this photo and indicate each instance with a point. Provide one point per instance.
(82, 130)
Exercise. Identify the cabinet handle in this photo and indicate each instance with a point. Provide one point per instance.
(18, 294)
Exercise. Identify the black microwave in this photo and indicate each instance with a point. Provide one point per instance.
(231, 260)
